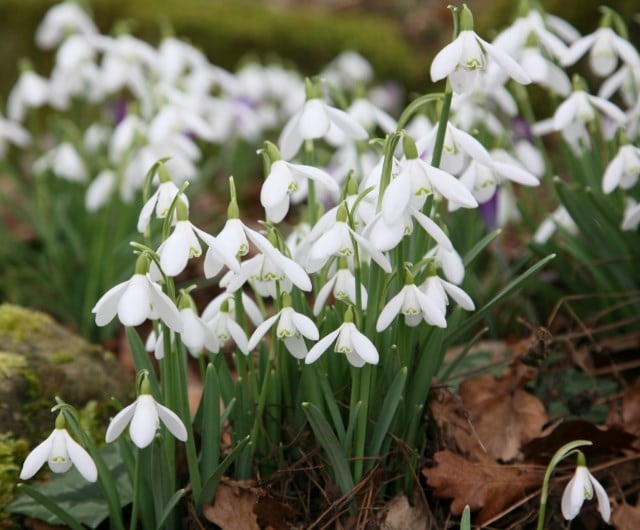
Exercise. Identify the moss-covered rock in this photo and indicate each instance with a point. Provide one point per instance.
(39, 359)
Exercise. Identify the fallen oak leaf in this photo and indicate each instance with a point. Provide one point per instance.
(504, 415)
(233, 505)
(486, 486)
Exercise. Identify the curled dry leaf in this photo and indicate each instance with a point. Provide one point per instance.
(505, 416)
(233, 506)
(626, 412)
(486, 486)
(400, 515)
(625, 517)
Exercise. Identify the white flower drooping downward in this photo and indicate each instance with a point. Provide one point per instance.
(350, 341)
(291, 327)
(137, 300)
(61, 452)
(582, 486)
(144, 415)
(462, 59)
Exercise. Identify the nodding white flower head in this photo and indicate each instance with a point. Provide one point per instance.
(624, 169)
(631, 217)
(348, 70)
(137, 300)
(64, 161)
(462, 59)
(100, 190)
(161, 200)
(61, 452)
(224, 327)
(342, 283)
(559, 218)
(439, 291)
(291, 329)
(358, 349)
(31, 91)
(314, 121)
(143, 417)
(14, 133)
(339, 240)
(62, 20)
(582, 486)
(415, 305)
(284, 179)
(605, 46)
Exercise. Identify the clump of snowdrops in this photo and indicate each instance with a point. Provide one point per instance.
(335, 310)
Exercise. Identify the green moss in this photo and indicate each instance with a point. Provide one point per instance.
(18, 322)
(61, 358)
(12, 452)
(10, 363)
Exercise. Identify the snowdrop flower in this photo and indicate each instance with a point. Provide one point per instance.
(605, 49)
(572, 116)
(137, 300)
(348, 70)
(161, 200)
(560, 217)
(30, 91)
(439, 291)
(582, 486)
(462, 59)
(224, 327)
(370, 116)
(100, 190)
(623, 170)
(291, 328)
(249, 307)
(60, 451)
(415, 305)
(313, 121)
(268, 275)
(338, 240)
(348, 340)
(342, 283)
(12, 132)
(65, 162)
(418, 179)
(544, 72)
(631, 217)
(483, 180)
(62, 20)
(458, 145)
(283, 180)
(516, 37)
(143, 417)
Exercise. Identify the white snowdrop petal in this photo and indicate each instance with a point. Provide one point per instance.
(572, 499)
(144, 421)
(305, 326)
(458, 295)
(238, 335)
(613, 174)
(119, 422)
(321, 346)
(164, 307)
(446, 59)
(107, 307)
(323, 294)
(578, 49)
(172, 422)
(516, 174)
(565, 114)
(290, 140)
(506, 62)
(314, 120)
(390, 310)
(432, 228)
(347, 124)
(80, 458)
(364, 347)
(431, 312)
(604, 506)
(296, 347)
(260, 331)
(36, 458)
(608, 108)
(135, 303)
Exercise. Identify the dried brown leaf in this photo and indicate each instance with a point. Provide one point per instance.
(233, 506)
(455, 431)
(485, 486)
(401, 515)
(625, 517)
(627, 411)
(505, 416)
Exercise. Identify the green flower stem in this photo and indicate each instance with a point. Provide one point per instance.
(365, 374)
(136, 492)
(185, 414)
(560, 454)
(312, 211)
(442, 126)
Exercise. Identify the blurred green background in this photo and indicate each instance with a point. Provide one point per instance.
(398, 37)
